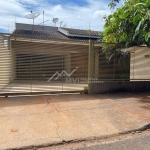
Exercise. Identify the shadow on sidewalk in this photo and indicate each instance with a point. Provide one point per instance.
(60, 98)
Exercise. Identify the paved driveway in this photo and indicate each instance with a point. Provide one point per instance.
(45, 120)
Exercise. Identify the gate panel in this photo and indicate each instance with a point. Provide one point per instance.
(38, 67)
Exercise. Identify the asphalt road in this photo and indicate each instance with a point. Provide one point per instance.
(138, 143)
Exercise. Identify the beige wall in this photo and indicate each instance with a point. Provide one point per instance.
(6, 65)
(140, 63)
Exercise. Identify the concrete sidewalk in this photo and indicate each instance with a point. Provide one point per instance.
(45, 120)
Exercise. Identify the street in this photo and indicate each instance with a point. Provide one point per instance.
(138, 143)
(132, 141)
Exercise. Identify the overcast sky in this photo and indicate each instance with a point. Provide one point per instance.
(74, 13)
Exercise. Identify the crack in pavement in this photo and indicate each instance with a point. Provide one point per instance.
(48, 103)
(51, 101)
(57, 132)
(54, 108)
(52, 105)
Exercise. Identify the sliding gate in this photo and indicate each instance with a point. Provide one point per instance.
(36, 66)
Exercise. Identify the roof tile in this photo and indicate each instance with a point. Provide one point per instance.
(39, 34)
(82, 32)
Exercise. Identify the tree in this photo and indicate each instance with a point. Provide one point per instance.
(129, 24)
(112, 3)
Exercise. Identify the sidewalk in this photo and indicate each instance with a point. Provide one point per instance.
(45, 120)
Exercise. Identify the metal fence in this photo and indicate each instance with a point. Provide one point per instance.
(30, 65)
(113, 67)
(113, 62)
(42, 66)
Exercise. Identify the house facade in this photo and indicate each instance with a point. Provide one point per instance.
(37, 59)
(57, 56)
(36, 53)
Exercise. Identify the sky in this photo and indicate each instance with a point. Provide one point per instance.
(79, 14)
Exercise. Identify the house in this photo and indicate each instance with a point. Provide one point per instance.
(36, 53)
(37, 59)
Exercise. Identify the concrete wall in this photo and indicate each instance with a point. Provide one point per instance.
(108, 87)
(6, 65)
(140, 63)
(36, 27)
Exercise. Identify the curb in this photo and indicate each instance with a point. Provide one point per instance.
(143, 128)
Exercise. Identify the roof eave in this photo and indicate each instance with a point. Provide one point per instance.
(79, 35)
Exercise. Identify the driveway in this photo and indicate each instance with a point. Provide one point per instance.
(44, 120)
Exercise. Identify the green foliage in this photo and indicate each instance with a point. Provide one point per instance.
(129, 24)
(112, 3)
